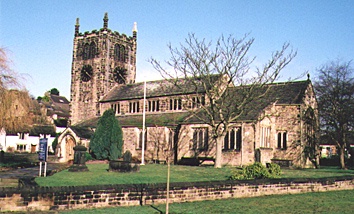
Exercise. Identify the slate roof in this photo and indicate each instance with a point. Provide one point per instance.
(58, 105)
(82, 131)
(158, 88)
(151, 120)
(287, 93)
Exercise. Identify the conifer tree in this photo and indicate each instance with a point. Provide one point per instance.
(107, 141)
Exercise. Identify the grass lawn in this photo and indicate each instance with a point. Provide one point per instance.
(320, 202)
(156, 173)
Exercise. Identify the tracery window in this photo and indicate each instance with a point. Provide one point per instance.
(119, 52)
(265, 137)
(200, 139)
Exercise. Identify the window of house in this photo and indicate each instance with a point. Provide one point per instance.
(200, 139)
(140, 140)
(233, 139)
(176, 104)
(282, 140)
(265, 137)
(21, 147)
(21, 136)
(116, 108)
(153, 105)
(134, 107)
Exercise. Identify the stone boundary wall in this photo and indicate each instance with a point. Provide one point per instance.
(76, 197)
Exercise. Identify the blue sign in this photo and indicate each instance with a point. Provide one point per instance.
(43, 145)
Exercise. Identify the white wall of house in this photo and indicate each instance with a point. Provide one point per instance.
(26, 143)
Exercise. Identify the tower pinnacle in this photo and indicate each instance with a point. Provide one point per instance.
(135, 30)
(105, 21)
(77, 26)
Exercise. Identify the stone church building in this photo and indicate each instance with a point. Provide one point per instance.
(275, 128)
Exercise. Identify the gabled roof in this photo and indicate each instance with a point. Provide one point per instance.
(58, 105)
(286, 93)
(82, 131)
(157, 88)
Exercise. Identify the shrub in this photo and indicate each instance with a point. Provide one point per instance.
(256, 171)
(88, 156)
(274, 169)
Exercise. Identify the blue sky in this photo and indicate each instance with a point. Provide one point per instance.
(39, 33)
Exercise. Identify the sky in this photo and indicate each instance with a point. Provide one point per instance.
(38, 34)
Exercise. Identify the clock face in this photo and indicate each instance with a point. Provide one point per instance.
(86, 73)
(120, 75)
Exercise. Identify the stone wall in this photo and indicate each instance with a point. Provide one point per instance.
(61, 198)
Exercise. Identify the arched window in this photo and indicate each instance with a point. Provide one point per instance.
(117, 52)
(86, 52)
(92, 51)
(122, 54)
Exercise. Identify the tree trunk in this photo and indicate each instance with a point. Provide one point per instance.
(218, 155)
(342, 157)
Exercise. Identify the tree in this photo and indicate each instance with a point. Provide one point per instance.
(107, 141)
(54, 91)
(199, 62)
(15, 104)
(335, 94)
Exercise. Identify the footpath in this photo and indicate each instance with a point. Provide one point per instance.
(25, 176)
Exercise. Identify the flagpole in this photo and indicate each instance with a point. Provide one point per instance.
(143, 137)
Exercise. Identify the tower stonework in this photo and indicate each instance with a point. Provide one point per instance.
(102, 59)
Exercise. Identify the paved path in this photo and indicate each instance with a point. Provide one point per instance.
(29, 172)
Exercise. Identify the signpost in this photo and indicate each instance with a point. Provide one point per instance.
(42, 155)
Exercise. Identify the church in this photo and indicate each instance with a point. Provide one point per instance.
(275, 128)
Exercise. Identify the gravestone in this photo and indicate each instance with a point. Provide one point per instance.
(79, 159)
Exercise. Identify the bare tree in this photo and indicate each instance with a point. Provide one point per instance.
(214, 68)
(15, 104)
(335, 94)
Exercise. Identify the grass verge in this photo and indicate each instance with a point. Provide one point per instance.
(156, 173)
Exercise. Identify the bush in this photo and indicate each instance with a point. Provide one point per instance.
(256, 171)
(88, 156)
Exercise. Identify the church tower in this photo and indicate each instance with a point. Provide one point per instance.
(102, 59)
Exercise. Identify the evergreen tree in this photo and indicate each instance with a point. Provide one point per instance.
(107, 141)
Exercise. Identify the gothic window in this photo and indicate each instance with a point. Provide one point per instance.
(86, 51)
(200, 139)
(265, 137)
(176, 104)
(117, 52)
(134, 107)
(153, 105)
(122, 54)
(233, 139)
(282, 140)
(92, 50)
